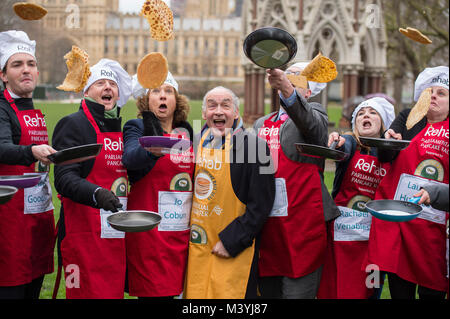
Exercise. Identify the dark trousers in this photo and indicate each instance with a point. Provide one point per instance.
(26, 291)
(403, 289)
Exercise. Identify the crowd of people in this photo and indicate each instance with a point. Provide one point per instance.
(252, 217)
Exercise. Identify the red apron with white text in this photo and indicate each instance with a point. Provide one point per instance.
(414, 250)
(293, 239)
(342, 275)
(156, 259)
(93, 253)
(27, 226)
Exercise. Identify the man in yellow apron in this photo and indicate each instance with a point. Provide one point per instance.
(233, 195)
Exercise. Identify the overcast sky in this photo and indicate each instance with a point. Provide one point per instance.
(133, 5)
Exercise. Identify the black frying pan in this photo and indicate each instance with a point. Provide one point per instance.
(321, 151)
(133, 221)
(391, 144)
(270, 47)
(6, 193)
(75, 154)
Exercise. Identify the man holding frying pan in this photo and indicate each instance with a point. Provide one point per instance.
(26, 222)
(91, 189)
(294, 238)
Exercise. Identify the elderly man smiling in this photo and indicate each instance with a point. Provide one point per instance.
(232, 200)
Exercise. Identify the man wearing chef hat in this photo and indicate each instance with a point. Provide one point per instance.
(94, 189)
(290, 264)
(26, 223)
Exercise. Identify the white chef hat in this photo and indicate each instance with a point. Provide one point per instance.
(437, 76)
(112, 70)
(138, 90)
(381, 105)
(12, 42)
(315, 87)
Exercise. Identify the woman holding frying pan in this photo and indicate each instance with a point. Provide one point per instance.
(356, 181)
(413, 252)
(162, 183)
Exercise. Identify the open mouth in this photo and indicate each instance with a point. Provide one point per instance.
(106, 98)
(366, 124)
(162, 107)
(219, 123)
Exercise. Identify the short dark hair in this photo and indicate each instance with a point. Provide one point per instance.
(4, 71)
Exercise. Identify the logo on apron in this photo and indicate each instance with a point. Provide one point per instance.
(205, 185)
(430, 169)
(198, 235)
(181, 182)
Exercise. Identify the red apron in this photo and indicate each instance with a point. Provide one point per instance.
(293, 239)
(414, 250)
(27, 225)
(342, 275)
(156, 259)
(93, 253)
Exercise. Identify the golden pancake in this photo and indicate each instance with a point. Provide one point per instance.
(160, 19)
(415, 35)
(299, 81)
(29, 11)
(321, 69)
(152, 70)
(77, 62)
(419, 110)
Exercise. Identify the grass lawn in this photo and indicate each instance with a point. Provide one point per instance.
(55, 111)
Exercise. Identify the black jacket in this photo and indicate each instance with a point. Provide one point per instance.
(11, 153)
(399, 126)
(75, 130)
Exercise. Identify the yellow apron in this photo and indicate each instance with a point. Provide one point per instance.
(214, 206)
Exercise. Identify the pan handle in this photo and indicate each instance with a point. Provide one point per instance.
(334, 144)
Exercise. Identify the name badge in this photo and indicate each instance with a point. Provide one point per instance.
(174, 208)
(408, 185)
(106, 230)
(280, 205)
(38, 199)
(352, 225)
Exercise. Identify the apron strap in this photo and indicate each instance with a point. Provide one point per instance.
(58, 274)
(89, 116)
(10, 100)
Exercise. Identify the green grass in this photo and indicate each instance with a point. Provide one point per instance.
(55, 111)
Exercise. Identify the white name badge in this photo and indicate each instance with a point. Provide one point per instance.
(38, 199)
(175, 209)
(408, 185)
(280, 205)
(106, 230)
(352, 225)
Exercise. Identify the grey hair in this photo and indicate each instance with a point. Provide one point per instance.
(234, 98)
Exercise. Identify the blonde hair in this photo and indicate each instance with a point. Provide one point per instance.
(182, 107)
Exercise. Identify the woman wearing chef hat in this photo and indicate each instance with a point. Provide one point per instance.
(342, 276)
(413, 253)
(160, 182)
(26, 224)
(93, 254)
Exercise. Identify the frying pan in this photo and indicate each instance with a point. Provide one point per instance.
(270, 47)
(20, 181)
(164, 141)
(133, 221)
(75, 154)
(321, 151)
(6, 193)
(393, 210)
(392, 144)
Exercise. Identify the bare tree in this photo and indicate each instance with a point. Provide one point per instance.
(406, 58)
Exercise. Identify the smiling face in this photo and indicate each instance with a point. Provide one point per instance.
(162, 102)
(368, 122)
(104, 92)
(439, 104)
(21, 74)
(219, 111)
